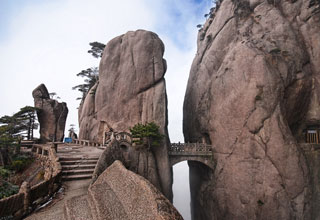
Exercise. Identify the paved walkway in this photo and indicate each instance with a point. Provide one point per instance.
(54, 211)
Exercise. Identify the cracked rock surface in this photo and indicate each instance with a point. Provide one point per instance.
(120, 194)
(253, 88)
(131, 90)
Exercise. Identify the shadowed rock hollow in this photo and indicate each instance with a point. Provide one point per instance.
(253, 88)
(52, 115)
(131, 90)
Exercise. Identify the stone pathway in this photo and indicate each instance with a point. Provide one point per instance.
(77, 166)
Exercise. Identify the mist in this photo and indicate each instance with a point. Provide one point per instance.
(181, 189)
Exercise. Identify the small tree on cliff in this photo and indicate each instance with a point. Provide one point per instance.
(96, 49)
(146, 134)
(53, 95)
(90, 75)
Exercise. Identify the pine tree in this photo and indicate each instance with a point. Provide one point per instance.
(90, 75)
(149, 131)
(21, 123)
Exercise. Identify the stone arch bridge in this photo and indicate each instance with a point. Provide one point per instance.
(200, 152)
(178, 152)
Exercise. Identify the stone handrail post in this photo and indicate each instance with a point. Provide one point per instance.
(54, 146)
(25, 189)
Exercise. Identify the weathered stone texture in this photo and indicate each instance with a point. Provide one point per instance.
(131, 90)
(312, 154)
(52, 115)
(140, 161)
(253, 88)
(121, 194)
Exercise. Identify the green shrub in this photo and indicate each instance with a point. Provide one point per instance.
(7, 189)
(149, 131)
(260, 203)
(4, 173)
(18, 165)
(275, 51)
(20, 162)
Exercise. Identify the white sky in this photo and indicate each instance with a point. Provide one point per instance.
(47, 42)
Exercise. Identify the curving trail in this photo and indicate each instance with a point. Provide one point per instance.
(77, 162)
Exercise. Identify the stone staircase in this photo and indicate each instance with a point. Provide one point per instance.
(78, 164)
(77, 168)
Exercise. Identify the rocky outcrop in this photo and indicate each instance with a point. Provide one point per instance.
(253, 89)
(121, 194)
(140, 161)
(131, 90)
(52, 115)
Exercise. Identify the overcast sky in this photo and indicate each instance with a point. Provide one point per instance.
(46, 41)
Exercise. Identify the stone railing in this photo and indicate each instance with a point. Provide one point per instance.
(28, 143)
(123, 136)
(119, 136)
(85, 142)
(190, 149)
(29, 197)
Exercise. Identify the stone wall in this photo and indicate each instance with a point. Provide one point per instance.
(19, 205)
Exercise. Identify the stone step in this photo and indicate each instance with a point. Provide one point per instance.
(78, 167)
(78, 158)
(77, 172)
(77, 208)
(76, 177)
(78, 162)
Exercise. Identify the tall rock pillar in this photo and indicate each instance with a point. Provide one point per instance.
(52, 115)
(131, 90)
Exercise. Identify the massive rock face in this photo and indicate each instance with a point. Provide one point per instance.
(131, 90)
(52, 115)
(253, 89)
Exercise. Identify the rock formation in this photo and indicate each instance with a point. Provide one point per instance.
(140, 161)
(131, 90)
(52, 115)
(121, 194)
(253, 88)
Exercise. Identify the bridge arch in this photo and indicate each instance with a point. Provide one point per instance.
(205, 160)
(199, 152)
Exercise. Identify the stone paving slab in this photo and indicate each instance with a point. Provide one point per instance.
(77, 208)
(54, 211)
